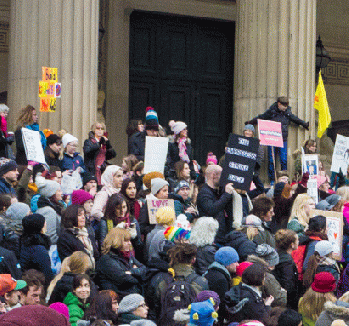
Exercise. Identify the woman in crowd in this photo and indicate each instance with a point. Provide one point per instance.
(300, 215)
(78, 263)
(111, 181)
(49, 205)
(309, 147)
(129, 191)
(117, 214)
(286, 270)
(104, 306)
(132, 307)
(133, 127)
(34, 246)
(312, 303)
(128, 164)
(75, 236)
(71, 159)
(28, 118)
(244, 301)
(97, 150)
(202, 235)
(117, 269)
(78, 301)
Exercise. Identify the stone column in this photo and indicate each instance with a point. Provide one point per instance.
(275, 56)
(62, 34)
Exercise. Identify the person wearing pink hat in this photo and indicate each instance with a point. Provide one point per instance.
(85, 199)
(312, 303)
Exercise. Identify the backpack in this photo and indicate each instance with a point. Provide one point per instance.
(179, 294)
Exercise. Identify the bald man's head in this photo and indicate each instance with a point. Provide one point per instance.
(212, 175)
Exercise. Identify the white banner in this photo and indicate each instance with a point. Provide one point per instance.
(155, 154)
(32, 145)
(340, 157)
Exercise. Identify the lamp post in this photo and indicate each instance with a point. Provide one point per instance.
(322, 57)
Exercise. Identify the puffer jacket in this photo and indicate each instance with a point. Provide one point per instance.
(239, 241)
(285, 117)
(333, 311)
(271, 285)
(76, 308)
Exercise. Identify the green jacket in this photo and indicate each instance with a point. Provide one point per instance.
(76, 308)
(126, 318)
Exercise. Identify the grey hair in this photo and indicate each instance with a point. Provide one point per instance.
(4, 108)
(204, 231)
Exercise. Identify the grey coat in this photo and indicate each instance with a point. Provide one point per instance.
(333, 311)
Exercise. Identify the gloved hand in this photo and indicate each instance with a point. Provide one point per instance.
(307, 125)
(133, 231)
(304, 181)
(102, 141)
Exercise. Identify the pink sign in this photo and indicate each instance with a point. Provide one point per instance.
(270, 133)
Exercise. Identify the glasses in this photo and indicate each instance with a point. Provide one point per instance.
(99, 128)
(73, 145)
(143, 305)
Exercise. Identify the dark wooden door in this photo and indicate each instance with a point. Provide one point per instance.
(183, 67)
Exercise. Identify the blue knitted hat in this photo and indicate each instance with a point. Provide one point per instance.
(226, 256)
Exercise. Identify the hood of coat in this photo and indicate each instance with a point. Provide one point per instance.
(220, 268)
(256, 259)
(338, 308)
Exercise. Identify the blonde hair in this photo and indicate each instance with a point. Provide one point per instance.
(298, 209)
(312, 303)
(77, 263)
(115, 239)
(93, 127)
(25, 116)
(343, 192)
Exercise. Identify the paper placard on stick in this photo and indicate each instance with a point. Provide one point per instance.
(154, 205)
(312, 190)
(33, 146)
(340, 157)
(270, 133)
(310, 163)
(334, 230)
(240, 160)
(155, 154)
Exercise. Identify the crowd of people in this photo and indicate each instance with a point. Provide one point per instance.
(80, 246)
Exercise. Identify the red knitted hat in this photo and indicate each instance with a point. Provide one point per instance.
(324, 282)
(80, 197)
(240, 269)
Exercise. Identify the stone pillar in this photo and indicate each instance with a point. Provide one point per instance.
(275, 56)
(62, 34)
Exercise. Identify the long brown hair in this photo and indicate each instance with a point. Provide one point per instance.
(25, 116)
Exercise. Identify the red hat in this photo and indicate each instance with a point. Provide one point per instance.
(324, 282)
(240, 269)
(80, 197)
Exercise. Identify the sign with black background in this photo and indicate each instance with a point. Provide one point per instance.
(240, 160)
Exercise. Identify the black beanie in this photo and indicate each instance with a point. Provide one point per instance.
(279, 187)
(88, 177)
(33, 224)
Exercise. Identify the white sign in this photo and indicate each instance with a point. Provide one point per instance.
(155, 154)
(340, 157)
(32, 145)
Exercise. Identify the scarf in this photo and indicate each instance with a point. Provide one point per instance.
(99, 160)
(126, 219)
(183, 150)
(83, 236)
(127, 254)
(35, 127)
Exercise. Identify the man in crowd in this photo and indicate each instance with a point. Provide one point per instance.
(8, 175)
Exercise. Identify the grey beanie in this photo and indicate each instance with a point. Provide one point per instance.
(130, 303)
(323, 205)
(268, 253)
(143, 322)
(333, 199)
(17, 211)
(249, 127)
(157, 184)
(48, 188)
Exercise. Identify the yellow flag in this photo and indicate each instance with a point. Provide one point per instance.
(321, 105)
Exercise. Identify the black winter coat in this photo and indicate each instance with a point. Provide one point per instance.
(239, 241)
(143, 221)
(286, 274)
(9, 264)
(211, 203)
(65, 285)
(204, 258)
(111, 272)
(51, 157)
(68, 243)
(136, 145)
(245, 304)
(219, 280)
(173, 153)
(285, 117)
(91, 149)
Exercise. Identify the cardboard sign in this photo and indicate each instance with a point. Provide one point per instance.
(49, 89)
(310, 163)
(269, 133)
(33, 146)
(240, 160)
(154, 205)
(334, 230)
(340, 157)
(155, 154)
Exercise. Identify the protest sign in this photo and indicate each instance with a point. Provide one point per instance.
(310, 164)
(49, 89)
(240, 160)
(270, 133)
(154, 205)
(155, 154)
(340, 157)
(334, 230)
(32, 145)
